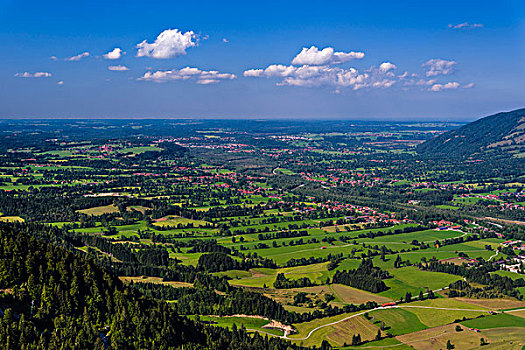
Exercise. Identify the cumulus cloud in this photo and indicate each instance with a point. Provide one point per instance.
(115, 54)
(386, 66)
(438, 66)
(118, 68)
(60, 82)
(465, 25)
(448, 86)
(313, 67)
(33, 75)
(315, 57)
(468, 86)
(78, 57)
(199, 76)
(169, 43)
(312, 76)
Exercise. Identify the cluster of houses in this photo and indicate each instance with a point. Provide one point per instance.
(446, 225)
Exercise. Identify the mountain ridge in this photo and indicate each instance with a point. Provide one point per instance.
(500, 133)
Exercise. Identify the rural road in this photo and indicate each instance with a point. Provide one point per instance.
(493, 256)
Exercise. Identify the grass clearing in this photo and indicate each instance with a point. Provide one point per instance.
(11, 219)
(173, 220)
(253, 323)
(157, 280)
(95, 211)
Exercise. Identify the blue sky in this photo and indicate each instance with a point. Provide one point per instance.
(446, 60)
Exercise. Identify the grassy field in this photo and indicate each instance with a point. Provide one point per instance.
(140, 150)
(411, 279)
(106, 209)
(381, 344)
(434, 318)
(342, 332)
(351, 295)
(146, 279)
(338, 333)
(138, 208)
(494, 304)
(495, 321)
(172, 220)
(264, 276)
(505, 338)
(248, 322)
(398, 321)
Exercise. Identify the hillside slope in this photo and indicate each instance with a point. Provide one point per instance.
(502, 133)
(51, 298)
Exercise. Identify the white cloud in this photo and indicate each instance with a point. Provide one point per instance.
(118, 68)
(255, 73)
(438, 66)
(313, 76)
(316, 68)
(169, 43)
(115, 54)
(60, 82)
(465, 25)
(448, 86)
(224, 40)
(468, 86)
(386, 66)
(315, 57)
(423, 82)
(207, 81)
(200, 76)
(54, 58)
(33, 75)
(78, 57)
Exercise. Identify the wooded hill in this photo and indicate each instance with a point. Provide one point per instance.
(502, 133)
(51, 298)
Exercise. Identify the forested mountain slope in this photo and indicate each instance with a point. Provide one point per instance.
(502, 133)
(56, 299)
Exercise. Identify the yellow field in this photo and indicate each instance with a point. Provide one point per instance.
(336, 334)
(146, 279)
(173, 220)
(436, 338)
(504, 338)
(494, 304)
(105, 209)
(520, 313)
(11, 219)
(351, 295)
